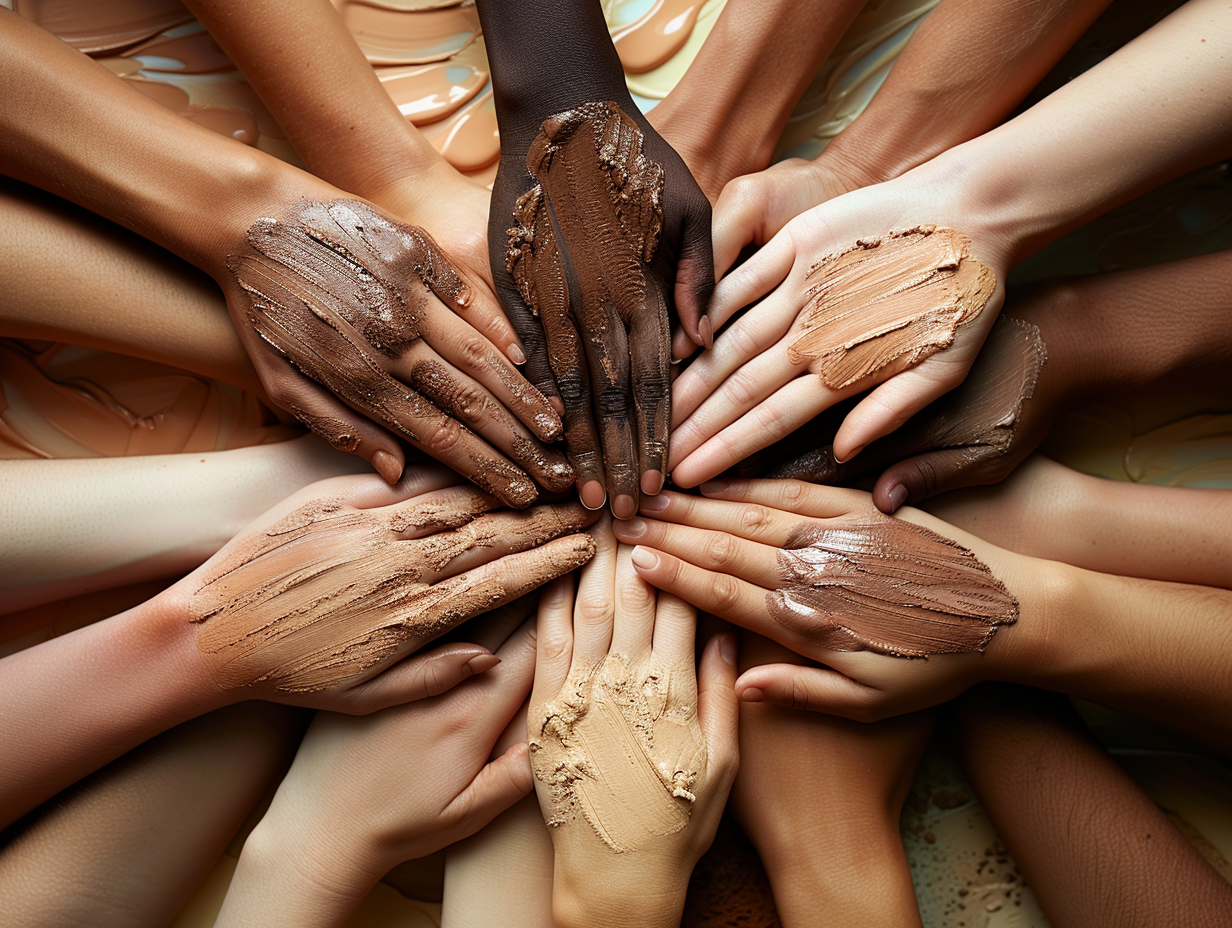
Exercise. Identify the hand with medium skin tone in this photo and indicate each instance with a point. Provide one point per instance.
(1104, 340)
(1075, 821)
(1150, 648)
(820, 798)
(630, 815)
(612, 240)
(77, 701)
(351, 807)
(964, 69)
(338, 291)
(303, 61)
(1008, 193)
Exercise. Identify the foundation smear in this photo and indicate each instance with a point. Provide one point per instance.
(887, 304)
(622, 750)
(888, 586)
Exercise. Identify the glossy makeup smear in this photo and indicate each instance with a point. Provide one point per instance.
(884, 585)
(329, 591)
(427, 93)
(390, 32)
(103, 25)
(622, 750)
(885, 305)
(655, 37)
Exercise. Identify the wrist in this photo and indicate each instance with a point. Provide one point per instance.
(616, 897)
(167, 622)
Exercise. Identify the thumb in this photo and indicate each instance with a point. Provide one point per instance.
(817, 689)
(891, 404)
(496, 787)
(420, 676)
(695, 277)
(922, 477)
(718, 710)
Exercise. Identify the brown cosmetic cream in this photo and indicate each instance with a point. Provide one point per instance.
(887, 304)
(884, 585)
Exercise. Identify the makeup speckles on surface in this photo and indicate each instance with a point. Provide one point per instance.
(885, 305)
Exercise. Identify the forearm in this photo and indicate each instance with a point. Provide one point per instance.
(80, 525)
(963, 71)
(74, 703)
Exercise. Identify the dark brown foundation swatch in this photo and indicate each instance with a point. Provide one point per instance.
(884, 585)
(887, 304)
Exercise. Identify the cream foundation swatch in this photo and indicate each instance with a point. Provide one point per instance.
(621, 749)
(887, 304)
(884, 585)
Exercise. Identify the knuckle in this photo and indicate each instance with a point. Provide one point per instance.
(726, 593)
(631, 597)
(554, 647)
(756, 519)
(770, 418)
(720, 551)
(742, 387)
(927, 474)
(799, 694)
(471, 402)
(595, 611)
(473, 351)
(444, 435)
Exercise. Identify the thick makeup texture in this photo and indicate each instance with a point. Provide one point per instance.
(329, 591)
(621, 749)
(887, 304)
(884, 585)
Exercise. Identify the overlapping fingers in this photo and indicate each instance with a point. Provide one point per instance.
(650, 345)
(715, 551)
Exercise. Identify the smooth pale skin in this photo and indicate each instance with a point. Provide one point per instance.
(1154, 649)
(964, 69)
(71, 704)
(614, 611)
(365, 794)
(121, 155)
(1150, 112)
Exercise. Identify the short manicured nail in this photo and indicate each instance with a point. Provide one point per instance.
(623, 507)
(654, 503)
(516, 355)
(593, 495)
(645, 558)
(898, 496)
(752, 694)
(481, 662)
(706, 333)
(387, 466)
(727, 648)
(715, 487)
(652, 482)
(850, 456)
(633, 528)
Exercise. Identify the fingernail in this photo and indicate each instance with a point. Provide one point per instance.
(652, 482)
(516, 355)
(706, 333)
(850, 456)
(645, 558)
(898, 496)
(593, 495)
(654, 503)
(715, 487)
(752, 694)
(623, 507)
(481, 662)
(633, 528)
(387, 466)
(727, 648)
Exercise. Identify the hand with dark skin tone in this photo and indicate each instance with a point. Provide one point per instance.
(602, 288)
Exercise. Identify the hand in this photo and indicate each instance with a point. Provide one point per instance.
(336, 584)
(935, 280)
(823, 573)
(359, 305)
(633, 750)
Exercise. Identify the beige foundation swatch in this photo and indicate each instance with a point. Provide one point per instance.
(621, 750)
(884, 585)
(887, 304)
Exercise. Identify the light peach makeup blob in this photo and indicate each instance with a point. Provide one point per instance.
(884, 585)
(887, 304)
(652, 39)
(427, 93)
(390, 34)
(103, 25)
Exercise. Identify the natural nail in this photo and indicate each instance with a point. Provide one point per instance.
(898, 496)
(715, 487)
(654, 503)
(645, 558)
(706, 333)
(387, 466)
(481, 662)
(633, 528)
(752, 694)
(623, 507)
(592, 494)
(516, 355)
(727, 648)
(652, 482)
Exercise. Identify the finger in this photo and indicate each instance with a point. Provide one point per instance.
(718, 710)
(420, 676)
(803, 499)
(751, 521)
(682, 345)
(651, 360)
(496, 787)
(675, 628)
(431, 513)
(817, 689)
(470, 403)
(368, 491)
(777, 417)
(695, 275)
(633, 627)
(555, 639)
(494, 628)
(717, 551)
(889, 406)
(726, 596)
(736, 218)
(608, 360)
(492, 536)
(594, 610)
(916, 479)
(752, 280)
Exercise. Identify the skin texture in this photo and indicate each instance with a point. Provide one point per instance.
(129, 844)
(1074, 821)
(632, 801)
(123, 156)
(961, 73)
(143, 671)
(1157, 650)
(1011, 191)
(820, 798)
(344, 815)
(584, 70)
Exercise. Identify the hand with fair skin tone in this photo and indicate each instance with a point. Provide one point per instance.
(420, 560)
(359, 361)
(820, 798)
(626, 839)
(589, 272)
(966, 66)
(1154, 649)
(1009, 192)
(351, 807)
